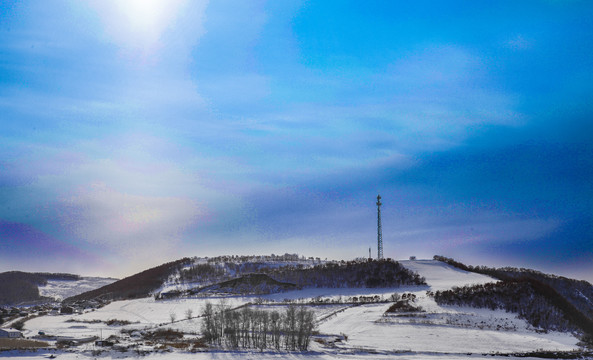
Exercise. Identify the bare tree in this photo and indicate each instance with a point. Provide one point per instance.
(208, 323)
(222, 309)
(290, 327)
(258, 329)
(189, 313)
(276, 329)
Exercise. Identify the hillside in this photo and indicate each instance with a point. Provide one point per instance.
(367, 273)
(358, 323)
(289, 269)
(136, 286)
(248, 284)
(432, 329)
(522, 297)
(18, 287)
(571, 298)
(59, 290)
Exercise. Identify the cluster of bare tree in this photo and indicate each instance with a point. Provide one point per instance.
(367, 273)
(572, 297)
(258, 329)
(520, 297)
(257, 258)
(223, 268)
(205, 273)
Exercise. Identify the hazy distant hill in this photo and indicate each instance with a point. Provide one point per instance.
(58, 289)
(18, 287)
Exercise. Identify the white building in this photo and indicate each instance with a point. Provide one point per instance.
(10, 333)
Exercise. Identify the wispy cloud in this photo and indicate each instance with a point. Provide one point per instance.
(204, 126)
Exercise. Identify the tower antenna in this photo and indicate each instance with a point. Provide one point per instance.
(379, 234)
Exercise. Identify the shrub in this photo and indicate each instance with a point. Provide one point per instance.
(19, 325)
(21, 344)
(164, 334)
(116, 322)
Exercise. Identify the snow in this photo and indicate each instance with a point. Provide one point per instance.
(442, 276)
(584, 297)
(442, 329)
(247, 355)
(62, 289)
(368, 329)
(347, 331)
(141, 313)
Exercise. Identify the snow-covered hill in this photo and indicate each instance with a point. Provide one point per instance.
(349, 328)
(441, 329)
(62, 289)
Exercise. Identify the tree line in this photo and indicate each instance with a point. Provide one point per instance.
(248, 328)
(573, 297)
(367, 273)
(520, 297)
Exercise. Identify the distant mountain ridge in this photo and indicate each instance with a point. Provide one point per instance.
(18, 287)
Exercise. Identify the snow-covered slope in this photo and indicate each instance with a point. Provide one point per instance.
(62, 289)
(441, 329)
(346, 330)
(447, 330)
(441, 276)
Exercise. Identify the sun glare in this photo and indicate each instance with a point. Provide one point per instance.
(143, 15)
(137, 24)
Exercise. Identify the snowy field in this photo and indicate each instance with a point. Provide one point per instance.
(366, 328)
(441, 329)
(62, 289)
(254, 355)
(346, 331)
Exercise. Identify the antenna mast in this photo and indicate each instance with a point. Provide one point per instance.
(379, 234)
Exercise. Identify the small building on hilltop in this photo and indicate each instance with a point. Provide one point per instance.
(10, 333)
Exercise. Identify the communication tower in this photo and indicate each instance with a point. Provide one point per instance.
(379, 235)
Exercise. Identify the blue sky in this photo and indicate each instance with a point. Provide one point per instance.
(141, 131)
